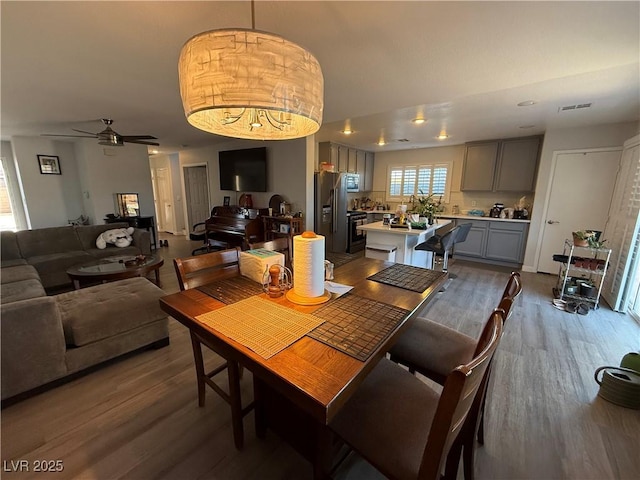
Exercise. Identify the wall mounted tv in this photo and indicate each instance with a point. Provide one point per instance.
(243, 170)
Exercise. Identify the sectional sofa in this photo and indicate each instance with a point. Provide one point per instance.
(45, 338)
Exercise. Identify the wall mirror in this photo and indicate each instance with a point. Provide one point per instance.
(127, 204)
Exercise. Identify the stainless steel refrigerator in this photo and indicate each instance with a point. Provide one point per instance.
(331, 210)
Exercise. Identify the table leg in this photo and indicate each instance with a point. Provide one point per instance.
(157, 272)
(259, 409)
(324, 453)
(76, 284)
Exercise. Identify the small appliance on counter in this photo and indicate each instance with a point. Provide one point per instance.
(496, 210)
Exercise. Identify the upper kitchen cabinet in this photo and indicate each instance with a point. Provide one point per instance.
(501, 165)
(479, 166)
(368, 171)
(517, 164)
(349, 159)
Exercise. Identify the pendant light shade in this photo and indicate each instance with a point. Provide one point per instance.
(250, 84)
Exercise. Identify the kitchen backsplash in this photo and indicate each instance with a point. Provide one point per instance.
(464, 200)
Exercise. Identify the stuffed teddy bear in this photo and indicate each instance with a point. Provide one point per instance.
(120, 237)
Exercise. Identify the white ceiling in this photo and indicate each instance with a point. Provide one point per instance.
(464, 65)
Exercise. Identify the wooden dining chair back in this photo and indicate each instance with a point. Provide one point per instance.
(199, 270)
(194, 272)
(280, 245)
(458, 395)
(413, 441)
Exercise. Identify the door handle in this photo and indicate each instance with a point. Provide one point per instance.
(551, 222)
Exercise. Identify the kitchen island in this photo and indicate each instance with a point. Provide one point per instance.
(404, 241)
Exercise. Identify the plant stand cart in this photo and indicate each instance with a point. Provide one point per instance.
(588, 264)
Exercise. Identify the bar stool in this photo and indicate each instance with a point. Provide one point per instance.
(440, 245)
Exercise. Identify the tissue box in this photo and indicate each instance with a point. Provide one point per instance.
(253, 263)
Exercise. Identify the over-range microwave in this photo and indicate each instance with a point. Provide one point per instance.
(353, 182)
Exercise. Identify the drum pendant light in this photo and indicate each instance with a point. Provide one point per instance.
(244, 83)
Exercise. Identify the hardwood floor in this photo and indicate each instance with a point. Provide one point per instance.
(138, 418)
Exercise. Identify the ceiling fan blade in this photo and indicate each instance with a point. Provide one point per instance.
(72, 136)
(83, 131)
(141, 142)
(138, 137)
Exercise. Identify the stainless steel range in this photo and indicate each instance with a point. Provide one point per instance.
(356, 239)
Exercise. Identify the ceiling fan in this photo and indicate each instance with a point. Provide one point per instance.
(110, 137)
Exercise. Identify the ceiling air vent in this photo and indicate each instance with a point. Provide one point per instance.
(402, 139)
(577, 106)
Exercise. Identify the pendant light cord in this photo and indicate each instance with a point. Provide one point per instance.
(253, 15)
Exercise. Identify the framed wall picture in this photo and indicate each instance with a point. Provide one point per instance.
(49, 165)
(226, 201)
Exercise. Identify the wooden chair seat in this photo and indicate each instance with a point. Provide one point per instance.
(405, 428)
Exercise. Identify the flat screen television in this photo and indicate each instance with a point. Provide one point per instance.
(243, 170)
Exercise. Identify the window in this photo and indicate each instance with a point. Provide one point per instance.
(408, 180)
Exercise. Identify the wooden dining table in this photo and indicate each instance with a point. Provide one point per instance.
(299, 390)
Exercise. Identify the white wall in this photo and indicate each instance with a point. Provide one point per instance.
(613, 135)
(51, 200)
(287, 172)
(91, 174)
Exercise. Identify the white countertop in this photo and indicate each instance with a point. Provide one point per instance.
(380, 227)
(476, 217)
(450, 215)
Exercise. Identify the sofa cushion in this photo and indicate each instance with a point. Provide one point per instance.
(22, 290)
(52, 268)
(9, 246)
(13, 263)
(89, 233)
(47, 241)
(114, 308)
(18, 273)
(33, 349)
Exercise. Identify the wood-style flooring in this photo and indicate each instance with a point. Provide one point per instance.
(138, 417)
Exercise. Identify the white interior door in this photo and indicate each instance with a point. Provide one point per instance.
(196, 187)
(164, 201)
(581, 190)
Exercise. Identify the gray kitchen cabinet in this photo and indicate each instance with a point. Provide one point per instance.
(348, 159)
(495, 242)
(368, 171)
(505, 242)
(343, 158)
(479, 167)
(508, 165)
(352, 166)
(517, 164)
(361, 166)
(476, 242)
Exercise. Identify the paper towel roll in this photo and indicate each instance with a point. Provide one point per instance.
(308, 265)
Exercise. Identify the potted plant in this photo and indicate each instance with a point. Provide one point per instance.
(427, 207)
(581, 237)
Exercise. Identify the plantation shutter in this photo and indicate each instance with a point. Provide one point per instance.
(622, 228)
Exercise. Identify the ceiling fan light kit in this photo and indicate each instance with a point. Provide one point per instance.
(249, 84)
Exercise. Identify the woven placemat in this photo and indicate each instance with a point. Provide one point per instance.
(261, 325)
(412, 278)
(232, 290)
(356, 325)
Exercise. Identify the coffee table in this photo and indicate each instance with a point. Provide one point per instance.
(110, 269)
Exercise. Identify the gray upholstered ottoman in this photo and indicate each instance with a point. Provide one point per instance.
(106, 320)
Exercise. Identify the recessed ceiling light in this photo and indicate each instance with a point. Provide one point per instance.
(527, 103)
(442, 136)
(347, 131)
(418, 121)
(381, 142)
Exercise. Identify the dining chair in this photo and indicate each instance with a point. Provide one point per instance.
(281, 245)
(433, 349)
(404, 427)
(194, 272)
